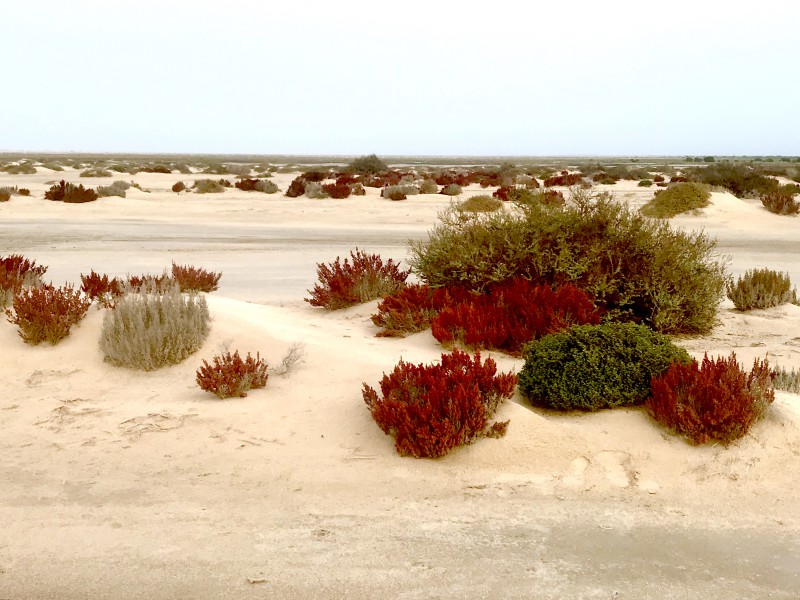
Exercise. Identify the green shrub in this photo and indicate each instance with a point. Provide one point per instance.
(646, 183)
(208, 186)
(151, 327)
(394, 192)
(591, 367)
(315, 192)
(428, 186)
(781, 203)
(480, 204)
(24, 168)
(677, 199)
(638, 269)
(368, 164)
(266, 186)
(742, 180)
(115, 189)
(786, 380)
(53, 166)
(761, 288)
(96, 173)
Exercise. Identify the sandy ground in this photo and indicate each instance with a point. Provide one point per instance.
(122, 484)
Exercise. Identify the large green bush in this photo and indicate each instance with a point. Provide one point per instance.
(638, 269)
(761, 288)
(677, 199)
(368, 164)
(591, 367)
(151, 327)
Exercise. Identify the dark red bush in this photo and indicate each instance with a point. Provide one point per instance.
(346, 179)
(658, 178)
(512, 314)
(431, 409)
(246, 185)
(18, 266)
(297, 188)
(565, 179)
(194, 279)
(100, 288)
(408, 310)
(490, 181)
(678, 179)
(159, 282)
(374, 182)
(70, 193)
(178, 187)
(365, 278)
(316, 176)
(713, 401)
(46, 313)
(337, 191)
(502, 193)
(232, 376)
(780, 203)
(5, 196)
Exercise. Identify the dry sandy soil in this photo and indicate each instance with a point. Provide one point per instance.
(116, 484)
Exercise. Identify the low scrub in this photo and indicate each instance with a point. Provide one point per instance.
(408, 310)
(230, 375)
(297, 188)
(432, 409)
(480, 204)
(677, 199)
(70, 193)
(337, 191)
(565, 180)
(265, 186)
(315, 191)
(512, 314)
(428, 186)
(715, 400)
(208, 186)
(646, 183)
(178, 187)
(194, 279)
(256, 185)
(784, 379)
(361, 278)
(5, 196)
(101, 289)
(24, 168)
(16, 273)
(761, 288)
(151, 327)
(781, 203)
(742, 181)
(451, 189)
(592, 367)
(96, 173)
(118, 188)
(368, 164)
(46, 313)
(394, 192)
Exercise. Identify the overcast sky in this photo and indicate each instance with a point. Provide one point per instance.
(413, 77)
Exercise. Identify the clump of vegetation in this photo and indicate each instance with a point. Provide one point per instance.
(337, 191)
(53, 166)
(408, 310)
(394, 192)
(646, 183)
(315, 191)
(358, 190)
(716, 400)
(152, 327)
(428, 186)
(512, 314)
(231, 375)
(592, 367)
(267, 187)
(742, 180)
(45, 313)
(17, 272)
(431, 409)
(256, 185)
(761, 288)
(637, 269)
(780, 203)
(367, 277)
(483, 203)
(24, 192)
(208, 186)
(178, 187)
(783, 379)
(70, 193)
(96, 173)
(101, 288)
(297, 188)
(194, 279)
(565, 179)
(368, 165)
(23, 168)
(117, 188)
(677, 199)
(5, 196)
(451, 189)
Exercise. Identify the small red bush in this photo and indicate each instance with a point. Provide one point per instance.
(678, 179)
(194, 279)
(431, 409)
(232, 376)
(101, 288)
(780, 203)
(297, 188)
(512, 314)
(564, 179)
(178, 187)
(346, 179)
(47, 313)
(316, 176)
(408, 310)
(246, 185)
(713, 401)
(658, 178)
(70, 193)
(18, 266)
(337, 191)
(365, 278)
(502, 193)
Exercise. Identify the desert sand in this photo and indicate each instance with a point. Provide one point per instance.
(118, 484)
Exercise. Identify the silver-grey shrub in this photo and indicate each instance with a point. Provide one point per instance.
(266, 186)
(115, 189)
(150, 328)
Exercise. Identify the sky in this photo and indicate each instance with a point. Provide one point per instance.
(401, 78)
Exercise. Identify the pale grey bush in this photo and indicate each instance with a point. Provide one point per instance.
(266, 186)
(314, 190)
(208, 186)
(115, 189)
(452, 189)
(152, 327)
(783, 379)
(428, 186)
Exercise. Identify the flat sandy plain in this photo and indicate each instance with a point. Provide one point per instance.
(116, 484)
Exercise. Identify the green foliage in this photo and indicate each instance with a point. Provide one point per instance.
(23, 168)
(483, 203)
(761, 288)
(96, 173)
(368, 165)
(266, 186)
(591, 367)
(677, 199)
(742, 180)
(151, 327)
(646, 183)
(638, 269)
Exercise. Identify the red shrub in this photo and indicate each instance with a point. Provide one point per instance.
(374, 182)
(297, 188)
(70, 193)
(431, 409)
(337, 191)
(712, 401)
(490, 181)
(658, 178)
(345, 284)
(564, 179)
(101, 288)
(502, 193)
(232, 376)
(678, 179)
(194, 279)
(159, 282)
(5, 196)
(346, 179)
(316, 176)
(512, 314)
(408, 310)
(18, 266)
(780, 203)
(246, 185)
(46, 313)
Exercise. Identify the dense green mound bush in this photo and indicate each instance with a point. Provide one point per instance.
(742, 180)
(431, 409)
(394, 192)
(151, 327)
(677, 199)
(761, 288)
(637, 269)
(483, 203)
(646, 183)
(591, 367)
(781, 203)
(713, 401)
(361, 278)
(368, 164)
(428, 186)
(23, 168)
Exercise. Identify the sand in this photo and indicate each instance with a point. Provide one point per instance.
(124, 484)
